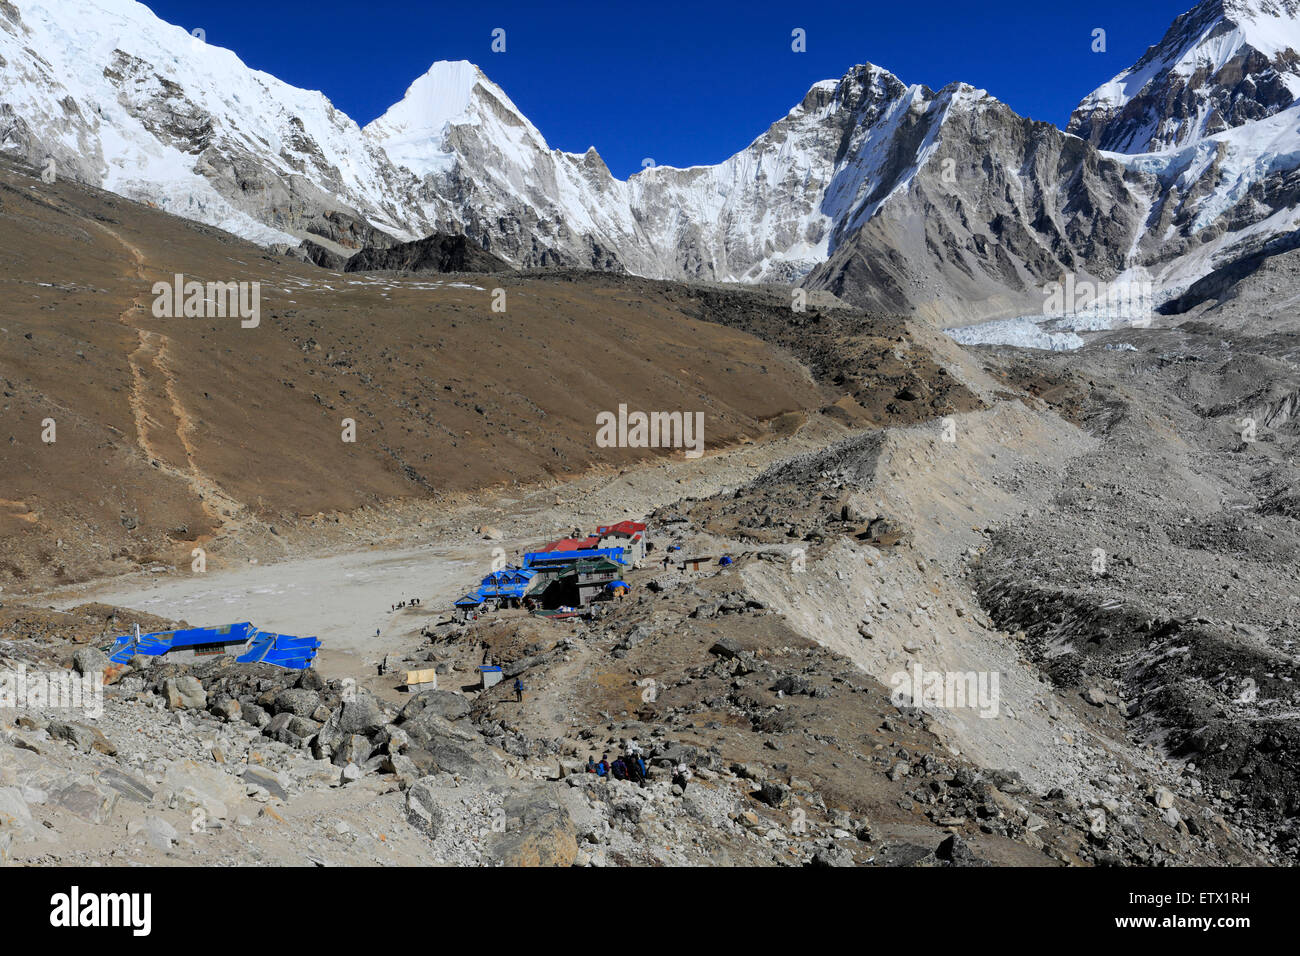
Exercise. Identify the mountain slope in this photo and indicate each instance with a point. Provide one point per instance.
(996, 205)
(1209, 119)
(173, 432)
(794, 203)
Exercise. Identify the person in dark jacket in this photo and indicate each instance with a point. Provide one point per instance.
(519, 689)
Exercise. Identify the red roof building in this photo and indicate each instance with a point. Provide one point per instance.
(628, 528)
(571, 544)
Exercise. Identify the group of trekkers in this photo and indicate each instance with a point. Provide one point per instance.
(631, 766)
(411, 602)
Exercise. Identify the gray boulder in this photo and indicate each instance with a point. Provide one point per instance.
(725, 648)
(423, 810)
(954, 851)
(278, 729)
(443, 703)
(160, 834)
(184, 692)
(832, 856)
(354, 749)
(255, 714)
(361, 716)
(538, 832)
(228, 709)
(82, 737)
(430, 726)
(84, 798)
(772, 793)
(89, 660)
(276, 784)
(298, 701)
(128, 786)
(14, 812)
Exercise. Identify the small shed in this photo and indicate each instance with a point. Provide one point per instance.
(468, 606)
(489, 675)
(426, 679)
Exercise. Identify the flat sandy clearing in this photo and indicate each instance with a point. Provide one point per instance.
(342, 599)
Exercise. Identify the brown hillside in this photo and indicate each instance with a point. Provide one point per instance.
(172, 430)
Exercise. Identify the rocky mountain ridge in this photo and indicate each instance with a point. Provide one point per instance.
(946, 205)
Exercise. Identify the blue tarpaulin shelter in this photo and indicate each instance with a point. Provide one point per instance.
(243, 641)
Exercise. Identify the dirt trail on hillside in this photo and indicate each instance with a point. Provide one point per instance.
(187, 431)
(156, 407)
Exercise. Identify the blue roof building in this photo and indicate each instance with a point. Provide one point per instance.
(550, 559)
(243, 641)
(507, 583)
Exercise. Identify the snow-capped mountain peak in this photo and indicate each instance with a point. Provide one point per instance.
(945, 204)
(123, 100)
(414, 131)
(1222, 64)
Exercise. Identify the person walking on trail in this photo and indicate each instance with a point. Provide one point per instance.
(682, 775)
(519, 690)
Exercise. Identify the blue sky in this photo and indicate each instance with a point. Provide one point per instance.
(681, 83)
